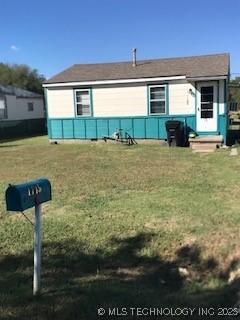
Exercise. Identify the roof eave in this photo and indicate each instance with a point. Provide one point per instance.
(203, 78)
(116, 81)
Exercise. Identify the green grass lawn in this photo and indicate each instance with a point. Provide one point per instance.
(145, 225)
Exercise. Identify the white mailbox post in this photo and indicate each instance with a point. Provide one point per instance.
(28, 195)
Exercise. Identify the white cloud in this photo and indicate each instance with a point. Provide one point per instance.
(14, 48)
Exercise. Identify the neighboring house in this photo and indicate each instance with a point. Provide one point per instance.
(21, 112)
(88, 101)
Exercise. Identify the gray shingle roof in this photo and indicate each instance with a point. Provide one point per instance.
(196, 66)
(18, 92)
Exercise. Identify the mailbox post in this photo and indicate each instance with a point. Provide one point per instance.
(24, 196)
(37, 250)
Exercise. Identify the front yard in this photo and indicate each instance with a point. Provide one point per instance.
(145, 225)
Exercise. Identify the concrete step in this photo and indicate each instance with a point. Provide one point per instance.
(206, 144)
(201, 146)
(207, 139)
(203, 150)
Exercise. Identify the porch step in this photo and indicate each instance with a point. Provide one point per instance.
(206, 144)
(202, 146)
(205, 139)
(203, 150)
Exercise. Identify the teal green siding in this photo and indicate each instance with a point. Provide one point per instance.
(161, 127)
(79, 129)
(127, 125)
(152, 131)
(95, 128)
(223, 119)
(137, 127)
(91, 129)
(102, 128)
(56, 129)
(67, 128)
(114, 123)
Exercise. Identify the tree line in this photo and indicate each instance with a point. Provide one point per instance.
(234, 90)
(21, 76)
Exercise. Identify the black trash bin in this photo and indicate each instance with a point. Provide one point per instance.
(175, 133)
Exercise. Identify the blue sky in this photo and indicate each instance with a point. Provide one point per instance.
(52, 35)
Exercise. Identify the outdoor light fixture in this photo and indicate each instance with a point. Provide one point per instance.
(191, 92)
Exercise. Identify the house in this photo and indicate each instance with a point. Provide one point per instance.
(88, 101)
(21, 112)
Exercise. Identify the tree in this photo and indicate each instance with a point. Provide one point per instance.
(234, 90)
(21, 76)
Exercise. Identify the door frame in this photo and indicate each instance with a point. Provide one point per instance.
(198, 85)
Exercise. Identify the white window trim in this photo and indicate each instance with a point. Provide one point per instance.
(150, 100)
(76, 103)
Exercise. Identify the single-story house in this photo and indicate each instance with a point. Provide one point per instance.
(21, 112)
(88, 101)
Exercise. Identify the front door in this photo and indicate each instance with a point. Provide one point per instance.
(207, 112)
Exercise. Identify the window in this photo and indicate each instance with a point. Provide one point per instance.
(83, 102)
(30, 106)
(157, 99)
(207, 102)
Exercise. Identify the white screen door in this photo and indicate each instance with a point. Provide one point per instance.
(207, 107)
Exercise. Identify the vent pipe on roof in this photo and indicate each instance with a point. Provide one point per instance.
(134, 58)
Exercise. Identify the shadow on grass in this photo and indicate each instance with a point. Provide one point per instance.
(75, 283)
(21, 137)
(10, 145)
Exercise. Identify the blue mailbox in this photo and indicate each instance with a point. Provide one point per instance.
(24, 196)
(27, 195)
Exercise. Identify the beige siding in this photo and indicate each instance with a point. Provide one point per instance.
(60, 103)
(17, 108)
(181, 99)
(120, 101)
(126, 100)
